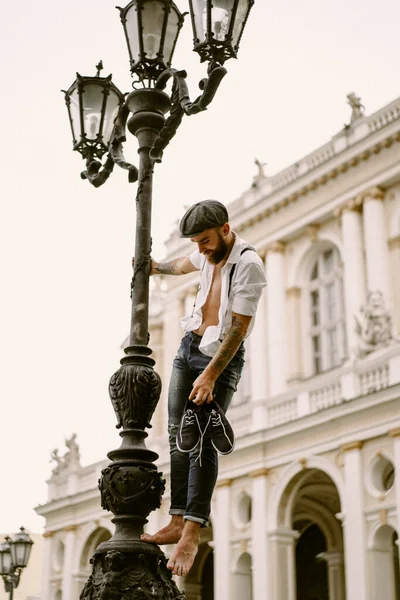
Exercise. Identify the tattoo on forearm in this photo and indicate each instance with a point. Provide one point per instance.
(168, 268)
(231, 342)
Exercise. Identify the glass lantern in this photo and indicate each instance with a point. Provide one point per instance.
(218, 26)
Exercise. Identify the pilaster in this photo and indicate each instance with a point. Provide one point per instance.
(222, 549)
(376, 244)
(395, 434)
(355, 288)
(282, 549)
(354, 523)
(68, 561)
(47, 568)
(276, 318)
(394, 251)
(295, 350)
(258, 365)
(260, 554)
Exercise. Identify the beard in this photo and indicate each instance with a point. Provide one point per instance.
(219, 253)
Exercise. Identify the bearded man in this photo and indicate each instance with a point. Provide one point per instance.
(206, 369)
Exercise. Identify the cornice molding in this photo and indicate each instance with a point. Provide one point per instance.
(48, 534)
(374, 193)
(318, 182)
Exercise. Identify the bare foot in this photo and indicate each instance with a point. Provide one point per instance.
(171, 534)
(185, 552)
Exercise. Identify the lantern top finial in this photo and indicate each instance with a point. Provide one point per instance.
(99, 68)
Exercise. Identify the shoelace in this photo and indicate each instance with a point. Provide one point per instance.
(189, 417)
(215, 418)
(202, 434)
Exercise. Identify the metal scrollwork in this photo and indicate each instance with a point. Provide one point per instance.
(124, 576)
(134, 392)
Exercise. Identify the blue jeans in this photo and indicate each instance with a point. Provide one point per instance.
(192, 480)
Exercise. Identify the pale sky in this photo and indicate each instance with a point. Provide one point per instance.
(66, 247)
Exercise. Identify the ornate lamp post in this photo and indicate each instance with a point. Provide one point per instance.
(131, 487)
(14, 557)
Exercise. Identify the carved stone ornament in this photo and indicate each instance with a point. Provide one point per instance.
(131, 489)
(374, 325)
(130, 576)
(134, 391)
(357, 108)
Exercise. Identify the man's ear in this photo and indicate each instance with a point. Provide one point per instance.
(226, 228)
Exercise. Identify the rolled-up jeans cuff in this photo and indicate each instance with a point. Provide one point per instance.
(177, 511)
(202, 520)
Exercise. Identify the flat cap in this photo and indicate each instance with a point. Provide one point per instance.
(201, 216)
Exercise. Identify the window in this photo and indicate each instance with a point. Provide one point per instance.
(327, 332)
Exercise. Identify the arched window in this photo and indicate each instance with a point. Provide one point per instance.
(327, 319)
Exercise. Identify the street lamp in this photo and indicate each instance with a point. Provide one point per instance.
(131, 487)
(14, 557)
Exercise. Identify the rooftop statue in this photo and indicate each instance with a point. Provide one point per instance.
(70, 459)
(357, 108)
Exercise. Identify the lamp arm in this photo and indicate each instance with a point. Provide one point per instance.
(181, 104)
(97, 177)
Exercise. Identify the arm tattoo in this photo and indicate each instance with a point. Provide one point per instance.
(168, 268)
(230, 344)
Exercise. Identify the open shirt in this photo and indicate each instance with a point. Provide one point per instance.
(247, 284)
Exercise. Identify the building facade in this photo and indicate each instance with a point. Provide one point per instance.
(307, 507)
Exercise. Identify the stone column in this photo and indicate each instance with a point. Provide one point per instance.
(394, 248)
(257, 361)
(295, 350)
(47, 565)
(334, 561)
(376, 244)
(68, 561)
(222, 548)
(282, 561)
(354, 524)
(395, 434)
(276, 319)
(260, 557)
(355, 288)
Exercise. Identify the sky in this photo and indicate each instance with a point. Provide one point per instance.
(66, 247)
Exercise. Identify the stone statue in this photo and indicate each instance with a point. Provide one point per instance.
(72, 456)
(70, 459)
(357, 109)
(374, 325)
(261, 170)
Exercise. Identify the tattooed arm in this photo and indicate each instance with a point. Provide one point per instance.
(204, 384)
(178, 266)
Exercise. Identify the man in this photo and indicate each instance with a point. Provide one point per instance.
(206, 370)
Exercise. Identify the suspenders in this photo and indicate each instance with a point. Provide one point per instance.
(234, 266)
(230, 275)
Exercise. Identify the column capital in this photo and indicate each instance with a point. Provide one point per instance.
(221, 483)
(394, 433)
(357, 445)
(68, 528)
(293, 292)
(263, 472)
(352, 205)
(394, 242)
(312, 231)
(48, 534)
(278, 247)
(373, 193)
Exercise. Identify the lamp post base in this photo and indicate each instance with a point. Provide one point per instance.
(138, 575)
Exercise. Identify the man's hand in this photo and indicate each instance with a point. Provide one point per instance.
(202, 389)
(154, 266)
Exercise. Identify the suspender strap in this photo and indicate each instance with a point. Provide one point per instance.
(234, 266)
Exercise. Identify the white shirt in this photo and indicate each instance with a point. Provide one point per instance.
(247, 284)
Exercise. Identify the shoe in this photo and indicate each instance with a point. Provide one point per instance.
(220, 430)
(189, 431)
